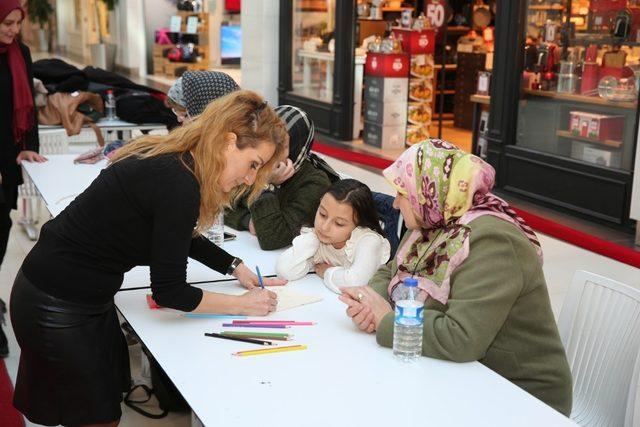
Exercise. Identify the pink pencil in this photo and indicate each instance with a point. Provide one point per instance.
(253, 325)
(272, 322)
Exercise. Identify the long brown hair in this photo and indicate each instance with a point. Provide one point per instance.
(242, 112)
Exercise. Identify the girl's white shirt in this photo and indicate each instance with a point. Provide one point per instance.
(353, 265)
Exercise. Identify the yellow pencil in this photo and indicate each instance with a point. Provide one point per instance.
(270, 350)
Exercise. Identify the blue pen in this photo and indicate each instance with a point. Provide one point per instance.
(259, 277)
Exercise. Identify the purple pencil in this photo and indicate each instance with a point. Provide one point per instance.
(249, 325)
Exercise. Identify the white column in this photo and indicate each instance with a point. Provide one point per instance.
(260, 23)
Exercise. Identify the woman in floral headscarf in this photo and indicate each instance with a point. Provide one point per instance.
(479, 270)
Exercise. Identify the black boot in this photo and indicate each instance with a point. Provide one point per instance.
(4, 345)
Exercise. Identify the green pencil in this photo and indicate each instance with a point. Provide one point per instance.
(262, 335)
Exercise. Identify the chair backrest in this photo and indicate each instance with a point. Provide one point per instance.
(600, 328)
(390, 219)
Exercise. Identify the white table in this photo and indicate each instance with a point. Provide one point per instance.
(343, 378)
(59, 181)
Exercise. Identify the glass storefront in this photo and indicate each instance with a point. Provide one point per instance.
(579, 91)
(313, 49)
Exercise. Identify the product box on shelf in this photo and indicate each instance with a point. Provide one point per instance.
(416, 41)
(387, 64)
(419, 113)
(417, 133)
(384, 136)
(596, 126)
(386, 113)
(390, 89)
(420, 90)
(597, 155)
(422, 66)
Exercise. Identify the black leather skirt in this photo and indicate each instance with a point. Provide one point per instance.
(74, 360)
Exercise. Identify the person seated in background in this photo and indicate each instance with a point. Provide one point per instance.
(194, 90)
(295, 187)
(346, 245)
(479, 271)
(175, 101)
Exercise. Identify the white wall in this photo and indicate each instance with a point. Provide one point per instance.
(260, 23)
(132, 47)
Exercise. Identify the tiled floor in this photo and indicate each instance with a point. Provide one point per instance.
(561, 261)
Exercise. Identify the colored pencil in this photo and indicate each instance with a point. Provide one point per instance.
(269, 350)
(249, 340)
(212, 316)
(272, 322)
(259, 277)
(251, 325)
(259, 335)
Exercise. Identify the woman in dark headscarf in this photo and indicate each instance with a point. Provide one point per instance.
(18, 123)
(294, 192)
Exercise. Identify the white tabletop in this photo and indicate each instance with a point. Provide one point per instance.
(343, 378)
(59, 180)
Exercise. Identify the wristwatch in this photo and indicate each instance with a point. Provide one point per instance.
(234, 264)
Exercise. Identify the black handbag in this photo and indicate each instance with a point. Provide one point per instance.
(169, 398)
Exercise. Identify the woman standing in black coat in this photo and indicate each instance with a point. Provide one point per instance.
(18, 122)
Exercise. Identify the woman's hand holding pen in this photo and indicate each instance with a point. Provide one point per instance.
(257, 302)
(249, 279)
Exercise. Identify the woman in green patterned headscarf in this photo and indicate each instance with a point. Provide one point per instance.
(479, 270)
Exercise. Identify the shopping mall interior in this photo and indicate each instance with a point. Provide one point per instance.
(539, 100)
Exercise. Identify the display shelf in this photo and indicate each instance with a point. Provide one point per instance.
(555, 7)
(594, 100)
(608, 142)
(480, 99)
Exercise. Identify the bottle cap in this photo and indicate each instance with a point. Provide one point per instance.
(411, 282)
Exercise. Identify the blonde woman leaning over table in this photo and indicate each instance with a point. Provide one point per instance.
(479, 269)
(145, 208)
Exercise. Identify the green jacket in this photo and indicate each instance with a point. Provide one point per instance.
(277, 217)
(498, 313)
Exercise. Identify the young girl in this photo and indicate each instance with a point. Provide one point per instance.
(346, 245)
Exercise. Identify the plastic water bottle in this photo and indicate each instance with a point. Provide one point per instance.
(110, 106)
(407, 332)
(216, 232)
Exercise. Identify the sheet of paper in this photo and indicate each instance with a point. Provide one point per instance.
(288, 296)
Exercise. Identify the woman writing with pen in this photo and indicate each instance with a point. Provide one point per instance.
(146, 208)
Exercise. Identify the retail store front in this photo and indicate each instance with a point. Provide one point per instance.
(431, 57)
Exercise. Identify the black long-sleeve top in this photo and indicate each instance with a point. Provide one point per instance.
(137, 212)
(11, 172)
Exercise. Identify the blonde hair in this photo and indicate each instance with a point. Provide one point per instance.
(242, 112)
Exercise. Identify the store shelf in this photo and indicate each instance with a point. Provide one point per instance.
(555, 7)
(608, 142)
(396, 9)
(594, 100)
(480, 99)
(585, 39)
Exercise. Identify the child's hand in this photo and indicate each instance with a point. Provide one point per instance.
(321, 268)
(282, 172)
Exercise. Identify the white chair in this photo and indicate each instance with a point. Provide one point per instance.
(52, 141)
(600, 328)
